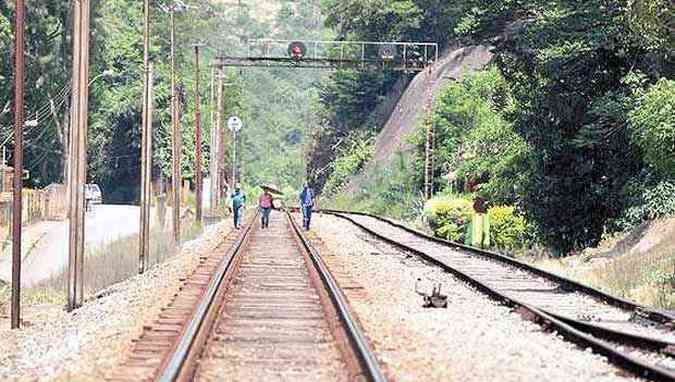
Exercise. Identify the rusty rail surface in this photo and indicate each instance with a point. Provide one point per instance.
(356, 337)
(244, 299)
(175, 366)
(603, 340)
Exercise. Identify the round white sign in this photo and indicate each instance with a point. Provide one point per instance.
(234, 124)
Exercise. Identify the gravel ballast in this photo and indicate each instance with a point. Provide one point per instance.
(474, 339)
(85, 344)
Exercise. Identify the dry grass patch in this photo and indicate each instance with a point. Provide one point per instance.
(118, 260)
(30, 297)
(648, 279)
(104, 266)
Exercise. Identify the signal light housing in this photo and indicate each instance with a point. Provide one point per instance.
(297, 50)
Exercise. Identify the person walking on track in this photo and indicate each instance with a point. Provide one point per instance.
(266, 203)
(238, 201)
(306, 205)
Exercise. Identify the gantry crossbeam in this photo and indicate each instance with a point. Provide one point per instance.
(403, 56)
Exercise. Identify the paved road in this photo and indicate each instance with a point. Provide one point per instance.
(104, 224)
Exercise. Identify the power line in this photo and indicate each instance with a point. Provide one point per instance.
(42, 113)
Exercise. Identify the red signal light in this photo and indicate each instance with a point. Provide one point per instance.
(297, 50)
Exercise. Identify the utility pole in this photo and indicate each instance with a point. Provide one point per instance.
(146, 147)
(19, 46)
(198, 139)
(212, 144)
(219, 152)
(78, 156)
(176, 152)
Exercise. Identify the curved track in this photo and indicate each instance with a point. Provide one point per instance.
(636, 338)
(269, 311)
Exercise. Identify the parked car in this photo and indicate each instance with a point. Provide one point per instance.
(92, 194)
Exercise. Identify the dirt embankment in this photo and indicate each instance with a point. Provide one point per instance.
(454, 65)
(638, 265)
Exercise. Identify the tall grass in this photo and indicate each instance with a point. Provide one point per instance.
(118, 260)
(104, 266)
(648, 279)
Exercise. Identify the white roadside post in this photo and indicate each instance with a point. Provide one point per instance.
(234, 124)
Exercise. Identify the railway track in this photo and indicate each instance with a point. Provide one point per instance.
(636, 338)
(263, 307)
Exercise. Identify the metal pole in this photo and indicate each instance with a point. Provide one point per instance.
(146, 141)
(234, 158)
(198, 141)
(18, 162)
(176, 178)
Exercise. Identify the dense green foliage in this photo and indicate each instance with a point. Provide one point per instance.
(508, 229)
(475, 141)
(391, 191)
(281, 103)
(274, 104)
(346, 103)
(46, 77)
(568, 68)
(653, 126)
(449, 216)
(574, 125)
(349, 161)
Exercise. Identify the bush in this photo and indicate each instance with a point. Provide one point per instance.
(348, 162)
(389, 191)
(449, 216)
(508, 230)
(646, 202)
(653, 126)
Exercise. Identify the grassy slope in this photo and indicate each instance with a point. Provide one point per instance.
(646, 277)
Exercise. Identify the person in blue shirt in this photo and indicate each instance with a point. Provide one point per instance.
(306, 205)
(238, 201)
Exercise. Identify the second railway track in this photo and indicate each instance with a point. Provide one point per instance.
(269, 311)
(633, 337)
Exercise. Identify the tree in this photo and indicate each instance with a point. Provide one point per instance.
(567, 66)
(652, 125)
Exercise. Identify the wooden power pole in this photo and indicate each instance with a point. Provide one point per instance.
(217, 151)
(198, 140)
(212, 144)
(78, 153)
(19, 46)
(176, 137)
(146, 147)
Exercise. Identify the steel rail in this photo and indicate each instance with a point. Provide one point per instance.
(565, 327)
(660, 317)
(366, 357)
(177, 360)
(634, 340)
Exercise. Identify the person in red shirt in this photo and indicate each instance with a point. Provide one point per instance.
(266, 203)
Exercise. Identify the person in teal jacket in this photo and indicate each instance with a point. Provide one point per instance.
(306, 205)
(238, 201)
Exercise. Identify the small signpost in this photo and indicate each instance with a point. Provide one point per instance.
(235, 124)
